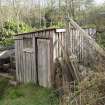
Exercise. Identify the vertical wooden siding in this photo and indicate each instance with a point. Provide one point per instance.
(29, 59)
(57, 51)
(77, 43)
(25, 61)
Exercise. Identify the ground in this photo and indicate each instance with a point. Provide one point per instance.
(24, 94)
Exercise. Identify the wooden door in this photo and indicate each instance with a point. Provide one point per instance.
(43, 62)
(29, 71)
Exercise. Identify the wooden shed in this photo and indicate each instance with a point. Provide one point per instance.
(35, 53)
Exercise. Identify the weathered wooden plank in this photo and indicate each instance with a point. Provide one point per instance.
(18, 60)
(21, 61)
(24, 66)
(54, 49)
(43, 64)
(34, 60)
(56, 46)
(16, 56)
(60, 38)
(29, 63)
(49, 62)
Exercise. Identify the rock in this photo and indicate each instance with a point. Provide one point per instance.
(14, 83)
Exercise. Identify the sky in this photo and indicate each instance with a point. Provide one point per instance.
(99, 1)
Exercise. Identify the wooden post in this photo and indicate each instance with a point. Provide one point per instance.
(68, 34)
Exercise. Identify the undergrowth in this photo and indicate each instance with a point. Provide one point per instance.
(25, 94)
(90, 91)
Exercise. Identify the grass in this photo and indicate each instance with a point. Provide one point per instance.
(24, 94)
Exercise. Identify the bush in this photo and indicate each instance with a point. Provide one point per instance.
(11, 28)
(101, 39)
(91, 90)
